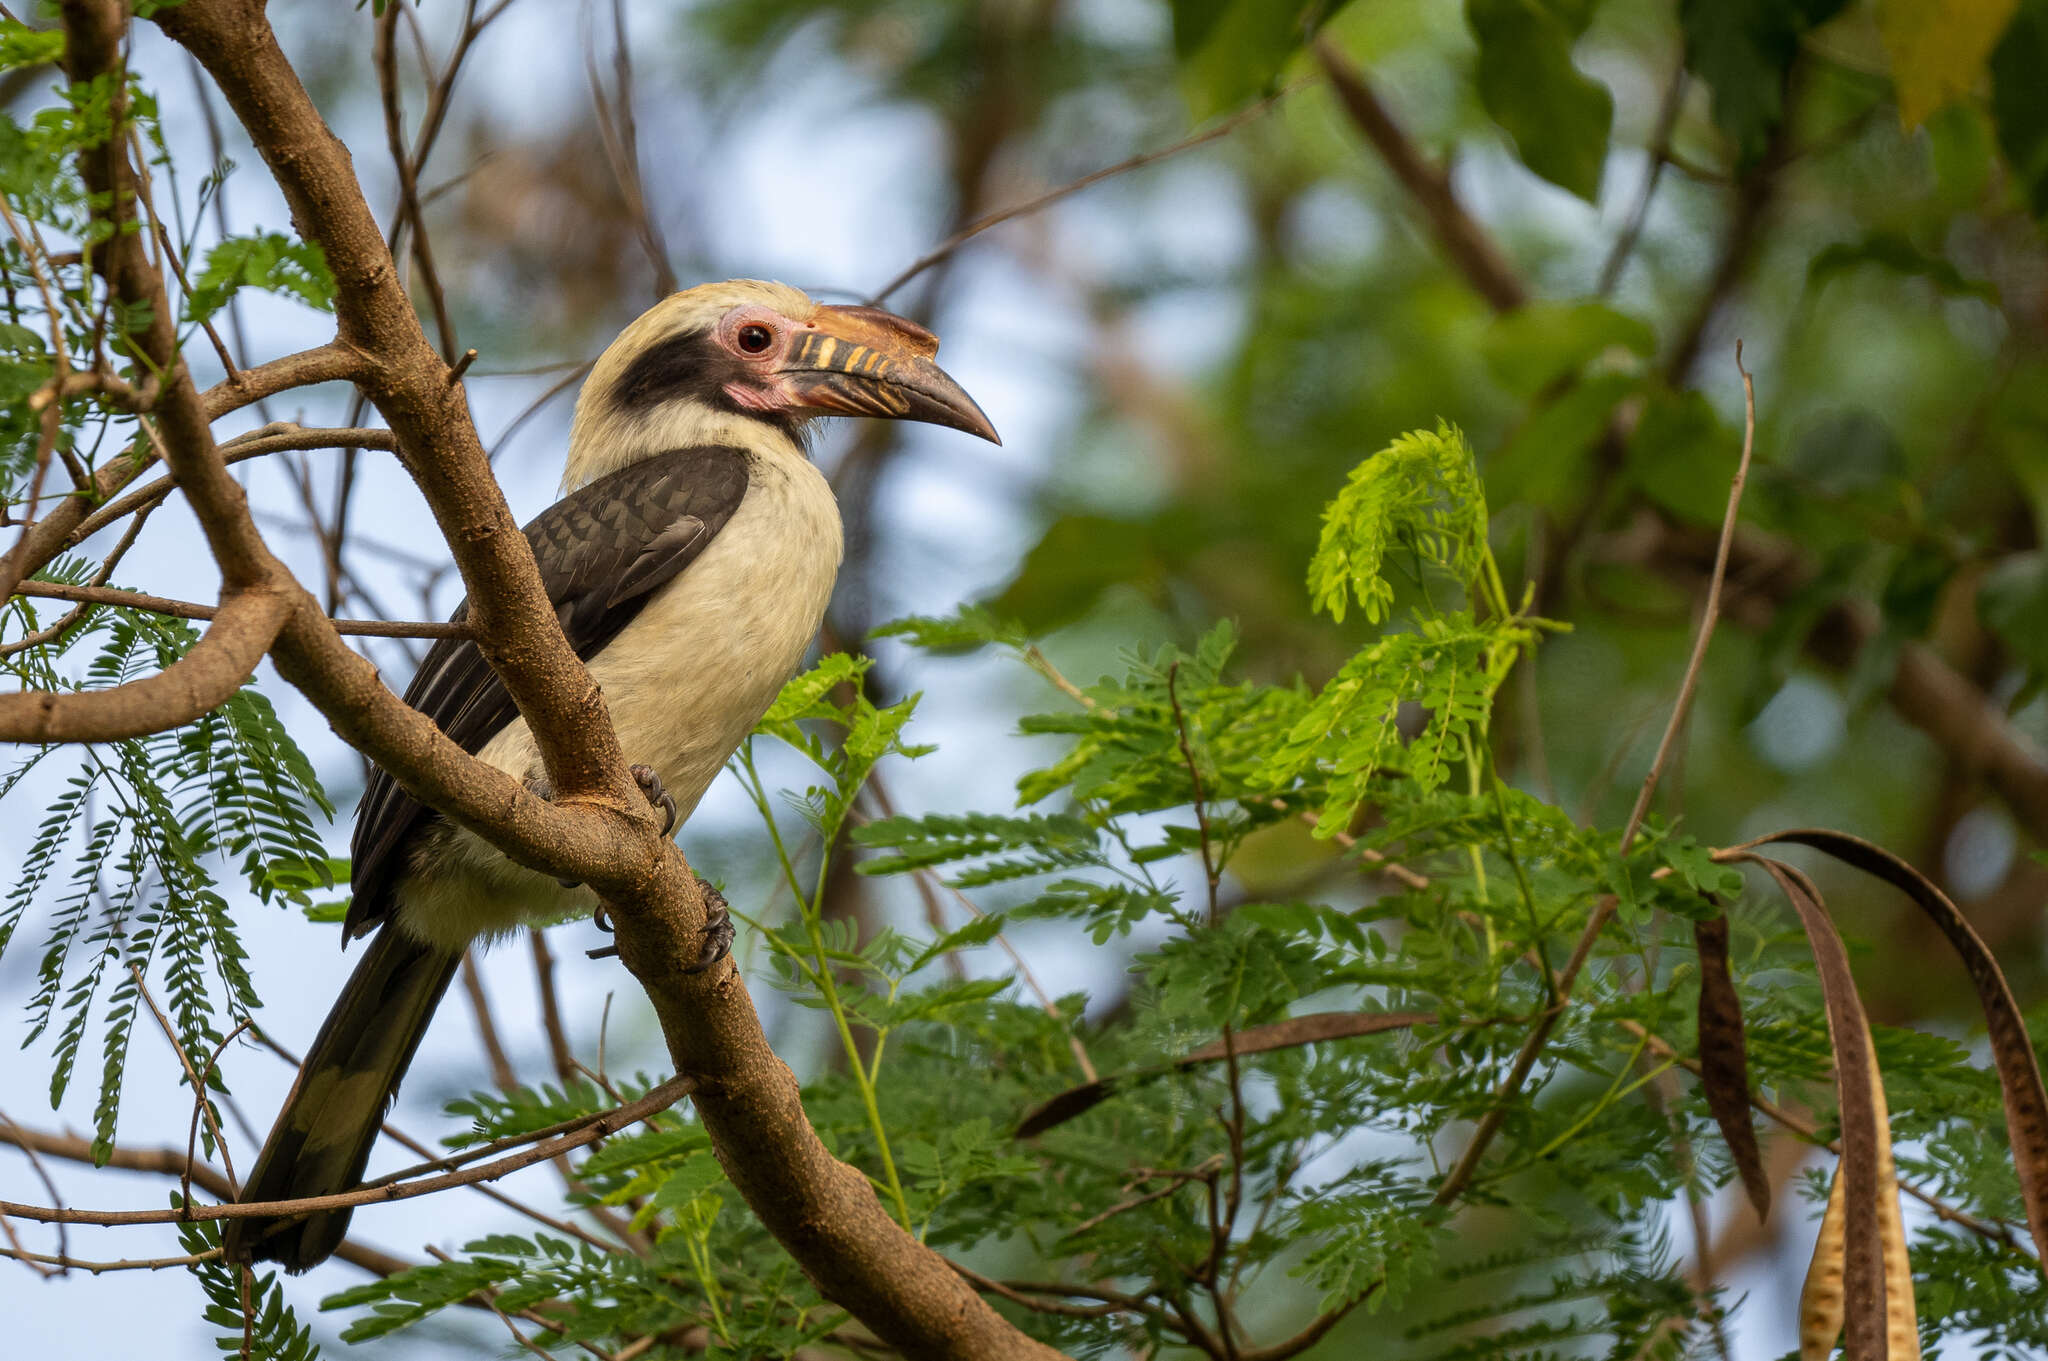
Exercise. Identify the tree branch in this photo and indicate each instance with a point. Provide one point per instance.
(185, 609)
(823, 1211)
(202, 680)
(1469, 246)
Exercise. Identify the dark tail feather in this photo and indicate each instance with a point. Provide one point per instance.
(323, 1135)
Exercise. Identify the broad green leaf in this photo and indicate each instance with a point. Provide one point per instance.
(1230, 51)
(1545, 461)
(1682, 456)
(2019, 101)
(1938, 48)
(1894, 252)
(1744, 49)
(1558, 116)
(2012, 600)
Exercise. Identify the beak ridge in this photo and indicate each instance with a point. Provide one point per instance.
(864, 361)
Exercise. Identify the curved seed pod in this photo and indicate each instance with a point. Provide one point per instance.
(1823, 1303)
(2012, 1051)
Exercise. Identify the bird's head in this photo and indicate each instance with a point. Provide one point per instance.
(726, 363)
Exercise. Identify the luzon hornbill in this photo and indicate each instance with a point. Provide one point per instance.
(689, 563)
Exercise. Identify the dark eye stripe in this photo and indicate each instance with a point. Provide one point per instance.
(690, 366)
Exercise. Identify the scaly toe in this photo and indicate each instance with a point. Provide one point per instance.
(718, 929)
(650, 785)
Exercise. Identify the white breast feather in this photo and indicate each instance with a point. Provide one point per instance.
(685, 682)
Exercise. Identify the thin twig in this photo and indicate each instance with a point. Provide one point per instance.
(1072, 187)
(652, 1104)
(35, 1162)
(191, 1074)
(199, 1107)
(185, 609)
(486, 1028)
(1710, 616)
(271, 439)
(67, 1263)
(1525, 1061)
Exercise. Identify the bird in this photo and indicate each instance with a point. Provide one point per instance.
(690, 561)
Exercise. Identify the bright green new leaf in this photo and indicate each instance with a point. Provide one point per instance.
(1423, 491)
(270, 261)
(21, 45)
(1559, 116)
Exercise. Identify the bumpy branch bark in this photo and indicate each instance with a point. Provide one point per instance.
(823, 1211)
(410, 385)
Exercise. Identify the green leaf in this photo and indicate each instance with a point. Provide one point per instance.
(1682, 457)
(2019, 101)
(970, 627)
(1232, 50)
(21, 45)
(2012, 600)
(1744, 49)
(1891, 251)
(1533, 346)
(270, 261)
(1558, 116)
(1421, 491)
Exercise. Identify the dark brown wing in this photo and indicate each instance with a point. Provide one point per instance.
(602, 550)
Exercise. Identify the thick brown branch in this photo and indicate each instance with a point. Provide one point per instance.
(1471, 249)
(201, 680)
(408, 382)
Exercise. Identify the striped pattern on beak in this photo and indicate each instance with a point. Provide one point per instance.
(862, 361)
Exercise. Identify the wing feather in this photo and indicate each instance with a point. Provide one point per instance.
(602, 551)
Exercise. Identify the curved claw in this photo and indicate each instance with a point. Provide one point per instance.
(718, 928)
(650, 785)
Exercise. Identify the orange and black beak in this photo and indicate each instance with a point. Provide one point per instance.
(863, 361)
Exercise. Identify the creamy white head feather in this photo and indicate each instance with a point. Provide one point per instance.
(604, 438)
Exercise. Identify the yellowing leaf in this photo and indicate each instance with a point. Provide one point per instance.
(1938, 48)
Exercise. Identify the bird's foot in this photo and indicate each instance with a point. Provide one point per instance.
(718, 927)
(650, 785)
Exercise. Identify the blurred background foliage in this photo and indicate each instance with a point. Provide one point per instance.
(1549, 221)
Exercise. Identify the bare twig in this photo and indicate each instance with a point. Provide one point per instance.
(192, 1075)
(653, 1103)
(68, 1263)
(185, 609)
(200, 1106)
(1460, 1176)
(1046, 200)
(21, 1140)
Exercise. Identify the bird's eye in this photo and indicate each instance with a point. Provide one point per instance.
(755, 339)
